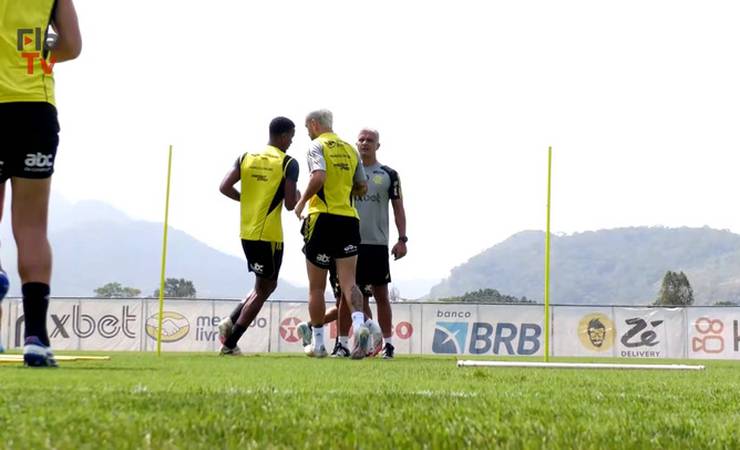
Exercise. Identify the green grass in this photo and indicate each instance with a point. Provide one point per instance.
(290, 401)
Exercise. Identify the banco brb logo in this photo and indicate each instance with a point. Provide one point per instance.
(449, 337)
(174, 326)
(480, 337)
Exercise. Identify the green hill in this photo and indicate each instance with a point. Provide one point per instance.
(621, 266)
(94, 243)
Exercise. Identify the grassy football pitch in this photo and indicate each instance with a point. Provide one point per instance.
(290, 401)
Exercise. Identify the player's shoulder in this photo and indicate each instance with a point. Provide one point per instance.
(387, 169)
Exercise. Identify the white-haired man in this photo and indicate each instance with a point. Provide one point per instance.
(332, 230)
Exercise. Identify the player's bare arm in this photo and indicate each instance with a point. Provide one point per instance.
(68, 44)
(399, 214)
(291, 194)
(227, 184)
(315, 182)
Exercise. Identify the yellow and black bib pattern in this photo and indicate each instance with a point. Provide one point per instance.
(262, 194)
(25, 62)
(335, 197)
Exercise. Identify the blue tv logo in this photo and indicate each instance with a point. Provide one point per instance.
(449, 337)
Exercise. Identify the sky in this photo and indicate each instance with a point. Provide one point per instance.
(638, 99)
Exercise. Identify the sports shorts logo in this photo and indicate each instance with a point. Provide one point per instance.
(258, 268)
(322, 258)
(350, 248)
(39, 160)
(449, 337)
(175, 326)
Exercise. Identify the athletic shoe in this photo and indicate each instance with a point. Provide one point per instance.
(340, 351)
(225, 351)
(376, 338)
(4, 284)
(312, 352)
(362, 338)
(388, 351)
(305, 332)
(225, 327)
(36, 354)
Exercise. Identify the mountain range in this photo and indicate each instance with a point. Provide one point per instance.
(623, 266)
(95, 244)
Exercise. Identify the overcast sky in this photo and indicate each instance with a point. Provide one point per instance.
(639, 99)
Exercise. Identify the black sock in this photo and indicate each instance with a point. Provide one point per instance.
(236, 334)
(236, 312)
(35, 307)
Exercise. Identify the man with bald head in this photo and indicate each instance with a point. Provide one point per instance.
(373, 269)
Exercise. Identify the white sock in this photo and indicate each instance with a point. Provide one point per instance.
(358, 320)
(344, 341)
(388, 340)
(318, 336)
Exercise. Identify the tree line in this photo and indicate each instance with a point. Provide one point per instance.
(675, 290)
(173, 288)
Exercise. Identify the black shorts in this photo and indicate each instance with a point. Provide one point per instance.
(328, 237)
(264, 258)
(30, 137)
(373, 269)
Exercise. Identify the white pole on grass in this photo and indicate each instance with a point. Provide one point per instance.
(553, 365)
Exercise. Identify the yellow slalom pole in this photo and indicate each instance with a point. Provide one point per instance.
(164, 254)
(547, 260)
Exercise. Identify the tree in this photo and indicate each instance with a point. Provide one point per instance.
(486, 296)
(725, 303)
(177, 288)
(116, 290)
(675, 290)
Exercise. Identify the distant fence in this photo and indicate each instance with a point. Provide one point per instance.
(419, 328)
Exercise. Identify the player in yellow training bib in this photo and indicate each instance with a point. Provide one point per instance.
(268, 179)
(30, 136)
(332, 229)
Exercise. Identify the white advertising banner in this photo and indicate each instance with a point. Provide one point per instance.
(283, 334)
(713, 333)
(418, 328)
(189, 325)
(583, 331)
(500, 330)
(86, 325)
(650, 332)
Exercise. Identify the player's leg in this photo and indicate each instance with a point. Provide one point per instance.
(344, 324)
(265, 260)
(316, 311)
(385, 318)
(331, 313)
(30, 205)
(226, 326)
(262, 289)
(370, 271)
(318, 236)
(354, 301)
